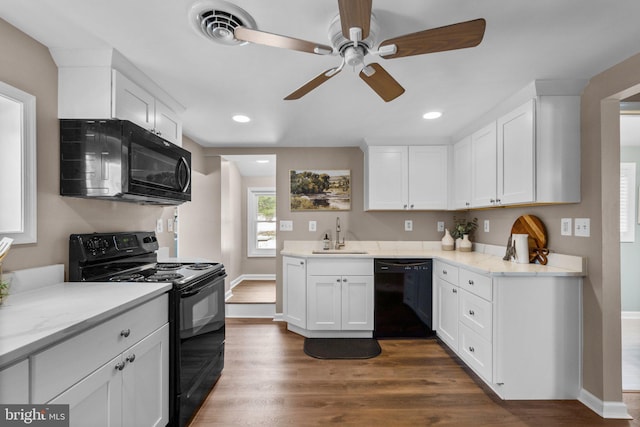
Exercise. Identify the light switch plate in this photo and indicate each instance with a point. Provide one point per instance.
(169, 225)
(582, 227)
(486, 226)
(408, 225)
(286, 225)
(312, 225)
(159, 226)
(565, 227)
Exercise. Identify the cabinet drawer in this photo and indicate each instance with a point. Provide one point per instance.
(56, 369)
(340, 267)
(476, 313)
(476, 283)
(447, 272)
(476, 352)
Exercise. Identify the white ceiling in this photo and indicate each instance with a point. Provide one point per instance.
(524, 40)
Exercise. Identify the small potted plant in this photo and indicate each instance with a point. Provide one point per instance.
(461, 232)
(4, 290)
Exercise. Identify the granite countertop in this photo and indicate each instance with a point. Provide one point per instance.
(485, 259)
(33, 320)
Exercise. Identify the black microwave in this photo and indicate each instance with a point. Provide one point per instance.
(119, 160)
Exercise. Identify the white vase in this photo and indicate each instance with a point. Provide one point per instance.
(458, 243)
(465, 244)
(447, 241)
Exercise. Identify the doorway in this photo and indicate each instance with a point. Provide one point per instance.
(630, 244)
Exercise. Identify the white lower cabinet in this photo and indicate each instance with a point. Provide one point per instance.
(14, 383)
(520, 334)
(328, 296)
(115, 374)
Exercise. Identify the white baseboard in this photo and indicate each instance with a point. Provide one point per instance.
(242, 277)
(633, 315)
(613, 410)
(278, 317)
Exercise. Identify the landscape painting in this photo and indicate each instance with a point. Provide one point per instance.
(313, 190)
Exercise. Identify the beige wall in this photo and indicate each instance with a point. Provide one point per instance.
(254, 265)
(27, 65)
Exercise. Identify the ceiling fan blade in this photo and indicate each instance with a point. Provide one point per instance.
(355, 13)
(276, 40)
(312, 84)
(381, 82)
(450, 37)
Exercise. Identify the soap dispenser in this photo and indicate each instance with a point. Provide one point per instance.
(327, 242)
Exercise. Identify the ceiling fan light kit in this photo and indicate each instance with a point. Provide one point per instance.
(352, 35)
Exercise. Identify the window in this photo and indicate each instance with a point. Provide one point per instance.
(17, 164)
(627, 202)
(261, 222)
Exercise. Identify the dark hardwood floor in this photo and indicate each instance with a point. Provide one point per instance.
(269, 381)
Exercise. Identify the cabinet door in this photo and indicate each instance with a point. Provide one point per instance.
(357, 303)
(428, 177)
(516, 155)
(324, 303)
(483, 166)
(448, 313)
(97, 399)
(14, 383)
(131, 102)
(146, 381)
(387, 178)
(462, 174)
(167, 124)
(294, 283)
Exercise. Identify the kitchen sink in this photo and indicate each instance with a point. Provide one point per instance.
(339, 251)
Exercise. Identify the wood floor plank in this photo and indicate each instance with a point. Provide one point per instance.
(254, 292)
(269, 381)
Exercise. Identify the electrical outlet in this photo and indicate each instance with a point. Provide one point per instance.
(170, 225)
(286, 225)
(486, 226)
(159, 226)
(312, 225)
(565, 227)
(440, 225)
(408, 225)
(582, 227)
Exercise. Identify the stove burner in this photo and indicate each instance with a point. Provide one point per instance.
(133, 277)
(163, 277)
(167, 266)
(199, 266)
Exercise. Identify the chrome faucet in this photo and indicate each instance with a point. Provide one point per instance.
(338, 245)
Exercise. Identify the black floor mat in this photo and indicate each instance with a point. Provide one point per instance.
(342, 348)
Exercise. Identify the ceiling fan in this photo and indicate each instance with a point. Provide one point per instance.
(351, 34)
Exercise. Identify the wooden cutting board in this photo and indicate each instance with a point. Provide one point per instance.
(533, 226)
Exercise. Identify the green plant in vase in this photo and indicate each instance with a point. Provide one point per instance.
(4, 290)
(464, 227)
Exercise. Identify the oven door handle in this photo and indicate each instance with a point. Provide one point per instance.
(385, 265)
(188, 294)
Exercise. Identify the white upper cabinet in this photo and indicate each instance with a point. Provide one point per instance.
(462, 176)
(516, 156)
(483, 166)
(406, 177)
(100, 90)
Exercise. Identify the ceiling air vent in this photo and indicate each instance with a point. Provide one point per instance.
(217, 20)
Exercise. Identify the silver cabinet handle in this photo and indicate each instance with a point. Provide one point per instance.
(119, 366)
(411, 206)
(131, 358)
(444, 271)
(338, 280)
(498, 201)
(472, 313)
(301, 262)
(344, 280)
(471, 349)
(471, 282)
(125, 333)
(492, 201)
(455, 291)
(405, 206)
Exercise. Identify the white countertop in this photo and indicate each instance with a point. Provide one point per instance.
(33, 320)
(485, 259)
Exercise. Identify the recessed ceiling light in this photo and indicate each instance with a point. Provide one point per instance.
(262, 161)
(240, 118)
(432, 115)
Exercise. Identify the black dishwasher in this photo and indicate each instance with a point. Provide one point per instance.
(403, 305)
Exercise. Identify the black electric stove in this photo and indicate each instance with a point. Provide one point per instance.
(196, 307)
